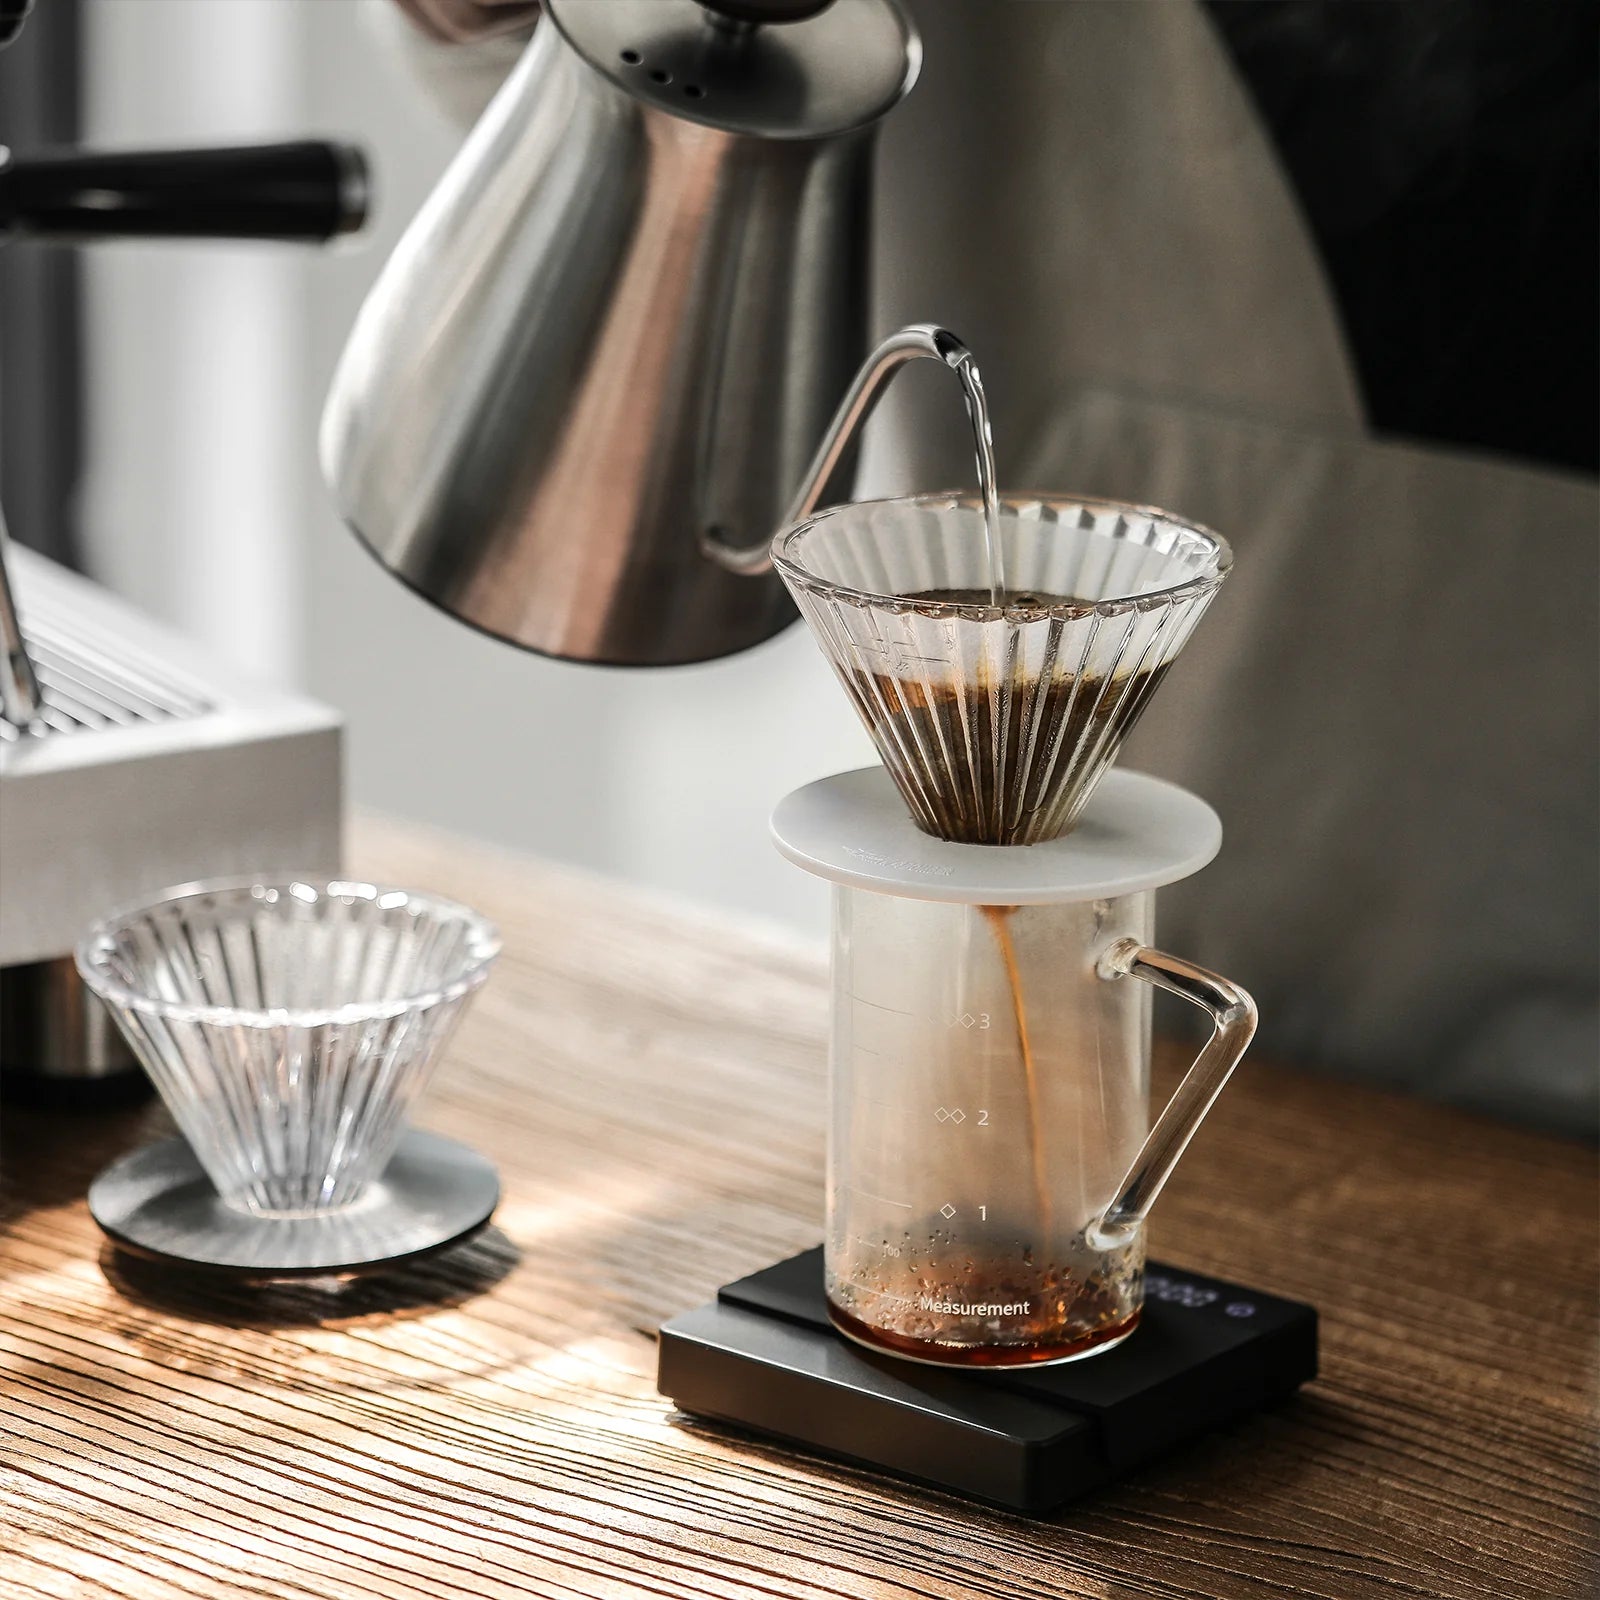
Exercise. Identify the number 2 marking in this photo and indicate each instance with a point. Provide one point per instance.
(983, 1119)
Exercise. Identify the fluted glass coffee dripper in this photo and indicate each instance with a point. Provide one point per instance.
(289, 1024)
(996, 711)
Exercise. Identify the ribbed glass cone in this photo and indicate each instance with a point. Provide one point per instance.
(289, 1025)
(996, 720)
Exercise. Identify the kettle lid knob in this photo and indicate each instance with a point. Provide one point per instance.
(717, 63)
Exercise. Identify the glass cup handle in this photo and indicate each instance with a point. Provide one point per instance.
(1233, 1023)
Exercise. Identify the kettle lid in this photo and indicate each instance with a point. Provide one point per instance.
(775, 69)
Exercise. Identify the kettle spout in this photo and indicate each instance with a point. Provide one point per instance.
(918, 341)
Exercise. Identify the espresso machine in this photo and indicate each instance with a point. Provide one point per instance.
(130, 759)
(619, 348)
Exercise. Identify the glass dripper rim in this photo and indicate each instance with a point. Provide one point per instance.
(93, 949)
(967, 500)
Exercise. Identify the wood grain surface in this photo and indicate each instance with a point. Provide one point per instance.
(650, 1082)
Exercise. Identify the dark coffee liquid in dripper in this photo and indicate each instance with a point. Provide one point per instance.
(989, 759)
(983, 597)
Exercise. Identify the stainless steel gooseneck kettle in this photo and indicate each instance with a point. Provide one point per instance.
(613, 335)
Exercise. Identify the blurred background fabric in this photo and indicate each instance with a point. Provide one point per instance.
(1321, 275)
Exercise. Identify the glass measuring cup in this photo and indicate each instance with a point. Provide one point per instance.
(991, 1159)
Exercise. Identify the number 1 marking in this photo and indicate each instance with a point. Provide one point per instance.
(983, 1213)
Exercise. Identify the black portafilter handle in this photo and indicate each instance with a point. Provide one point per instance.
(308, 191)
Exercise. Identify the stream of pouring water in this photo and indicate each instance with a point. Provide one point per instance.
(998, 917)
(983, 449)
(999, 920)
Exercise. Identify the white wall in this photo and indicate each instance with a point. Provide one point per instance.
(195, 398)
(209, 367)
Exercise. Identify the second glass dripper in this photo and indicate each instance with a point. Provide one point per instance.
(995, 715)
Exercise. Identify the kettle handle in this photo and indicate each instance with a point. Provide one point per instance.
(920, 340)
(1233, 1022)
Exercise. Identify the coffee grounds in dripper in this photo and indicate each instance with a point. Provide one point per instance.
(982, 760)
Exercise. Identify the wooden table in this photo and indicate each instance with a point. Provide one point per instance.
(650, 1082)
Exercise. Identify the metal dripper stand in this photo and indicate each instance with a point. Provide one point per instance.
(130, 760)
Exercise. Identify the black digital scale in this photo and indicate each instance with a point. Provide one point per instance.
(764, 1356)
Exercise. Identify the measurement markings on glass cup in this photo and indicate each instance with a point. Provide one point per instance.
(882, 1245)
(893, 1011)
(882, 1294)
(883, 1200)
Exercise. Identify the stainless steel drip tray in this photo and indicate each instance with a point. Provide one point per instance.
(84, 687)
(155, 765)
